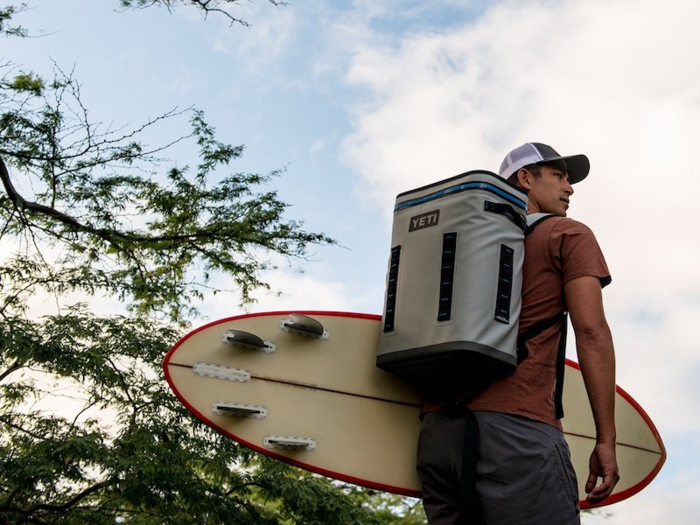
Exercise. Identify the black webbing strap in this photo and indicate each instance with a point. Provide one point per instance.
(447, 276)
(561, 365)
(507, 211)
(470, 454)
(391, 289)
(535, 330)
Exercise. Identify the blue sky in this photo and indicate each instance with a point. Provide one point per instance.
(360, 100)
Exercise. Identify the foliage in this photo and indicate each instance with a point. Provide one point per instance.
(120, 230)
(6, 14)
(153, 464)
(89, 431)
(392, 509)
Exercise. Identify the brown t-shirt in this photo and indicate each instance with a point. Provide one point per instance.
(558, 251)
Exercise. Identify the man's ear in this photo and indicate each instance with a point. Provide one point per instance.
(524, 178)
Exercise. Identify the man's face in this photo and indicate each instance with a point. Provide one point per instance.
(550, 192)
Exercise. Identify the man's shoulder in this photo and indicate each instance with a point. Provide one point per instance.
(566, 225)
(571, 246)
(561, 234)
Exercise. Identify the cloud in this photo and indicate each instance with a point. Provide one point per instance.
(562, 72)
(620, 83)
(314, 289)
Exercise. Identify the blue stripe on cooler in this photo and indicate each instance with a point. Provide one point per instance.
(459, 188)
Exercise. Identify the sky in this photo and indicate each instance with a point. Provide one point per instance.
(363, 99)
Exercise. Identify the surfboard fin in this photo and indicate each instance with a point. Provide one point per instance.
(221, 372)
(289, 442)
(247, 340)
(223, 408)
(304, 325)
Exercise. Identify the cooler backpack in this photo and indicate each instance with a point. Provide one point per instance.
(454, 282)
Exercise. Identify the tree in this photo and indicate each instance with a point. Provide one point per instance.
(89, 431)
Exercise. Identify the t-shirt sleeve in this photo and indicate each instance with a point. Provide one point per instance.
(579, 253)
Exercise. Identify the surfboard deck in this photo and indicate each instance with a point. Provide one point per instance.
(303, 387)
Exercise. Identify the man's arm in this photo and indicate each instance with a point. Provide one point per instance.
(596, 356)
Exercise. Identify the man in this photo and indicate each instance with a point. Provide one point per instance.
(523, 473)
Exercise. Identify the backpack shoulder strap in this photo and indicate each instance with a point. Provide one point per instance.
(533, 219)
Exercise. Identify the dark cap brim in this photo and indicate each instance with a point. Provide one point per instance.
(577, 166)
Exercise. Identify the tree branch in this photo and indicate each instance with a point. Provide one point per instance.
(21, 203)
(74, 500)
(13, 368)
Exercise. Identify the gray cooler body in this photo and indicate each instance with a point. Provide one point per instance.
(454, 283)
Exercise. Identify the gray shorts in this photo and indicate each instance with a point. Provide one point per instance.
(524, 472)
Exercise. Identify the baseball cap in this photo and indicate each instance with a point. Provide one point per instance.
(577, 166)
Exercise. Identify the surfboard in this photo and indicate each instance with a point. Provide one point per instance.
(302, 387)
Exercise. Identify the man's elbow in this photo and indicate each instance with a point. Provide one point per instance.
(594, 339)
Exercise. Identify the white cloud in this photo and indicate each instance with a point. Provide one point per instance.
(618, 82)
(315, 289)
(559, 72)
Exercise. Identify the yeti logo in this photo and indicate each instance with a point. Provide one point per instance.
(424, 220)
